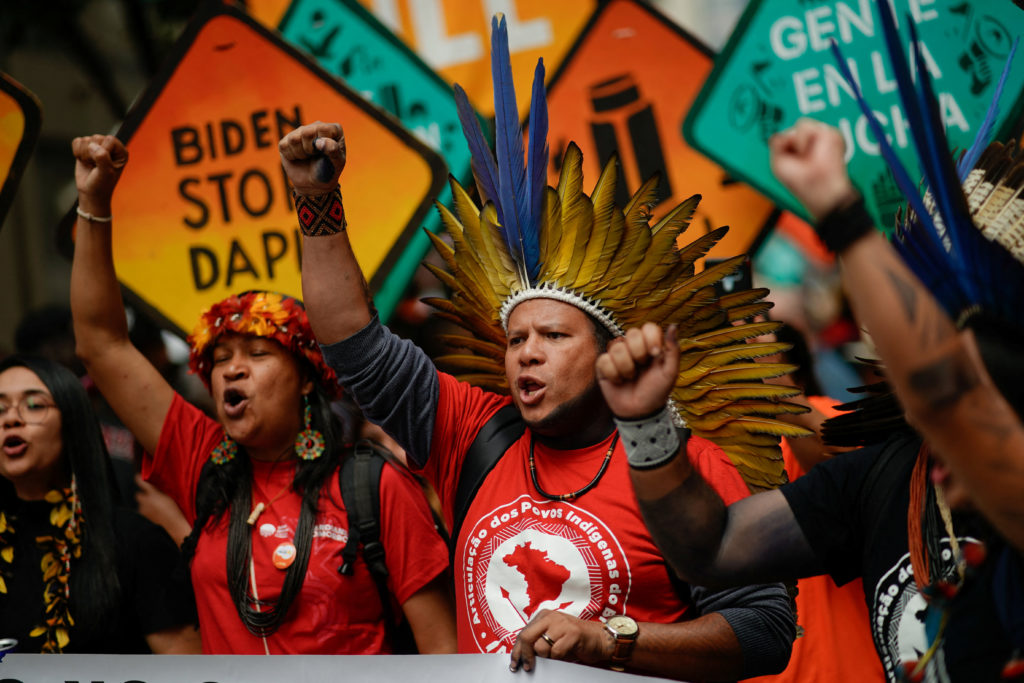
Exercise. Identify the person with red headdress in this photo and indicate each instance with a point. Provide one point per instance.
(260, 483)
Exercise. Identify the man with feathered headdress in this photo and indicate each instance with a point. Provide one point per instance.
(551, 556)
(942, 303)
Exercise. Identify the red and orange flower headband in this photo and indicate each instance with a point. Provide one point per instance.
(259, 314)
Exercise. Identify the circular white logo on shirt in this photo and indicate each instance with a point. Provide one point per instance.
(530, 555)
(900, 613)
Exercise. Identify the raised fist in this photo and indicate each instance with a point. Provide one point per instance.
(313, 157)
(99, 160)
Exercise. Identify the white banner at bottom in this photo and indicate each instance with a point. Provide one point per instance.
(16, 668)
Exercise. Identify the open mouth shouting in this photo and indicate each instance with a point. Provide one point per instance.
(235, 402)
(14, 446)
(531, 391)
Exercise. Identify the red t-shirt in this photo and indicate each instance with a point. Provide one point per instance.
(836, 644)
(333, 614)
(519, 552)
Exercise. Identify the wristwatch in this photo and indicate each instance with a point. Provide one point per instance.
(624, 630)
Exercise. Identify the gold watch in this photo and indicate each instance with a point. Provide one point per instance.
(625, 631)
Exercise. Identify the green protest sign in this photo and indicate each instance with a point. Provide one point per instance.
(351, 43)
(777, 67)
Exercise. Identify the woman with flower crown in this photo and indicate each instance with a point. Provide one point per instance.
(260, 483)
(77, 572)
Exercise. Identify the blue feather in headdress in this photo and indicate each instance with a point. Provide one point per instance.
(940, 171)
(485, 171)
(947, 252)
(537, 164)
(984, 135)
(508, 146)
(515, 188)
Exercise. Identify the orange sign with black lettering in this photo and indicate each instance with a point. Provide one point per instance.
(204, 209)
(20, 122)
(625, 88)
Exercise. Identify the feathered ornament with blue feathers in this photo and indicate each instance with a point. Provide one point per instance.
(530, 240)
(963, 232)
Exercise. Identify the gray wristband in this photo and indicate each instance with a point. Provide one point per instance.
(650, 442)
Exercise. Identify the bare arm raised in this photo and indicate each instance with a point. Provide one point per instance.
(753, 540)
(936, 371)
(135, 390)
(904, 319)
(333, 287)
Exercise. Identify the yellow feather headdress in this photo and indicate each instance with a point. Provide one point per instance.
(533, 241)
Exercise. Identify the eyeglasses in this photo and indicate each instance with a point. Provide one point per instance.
(32, 409)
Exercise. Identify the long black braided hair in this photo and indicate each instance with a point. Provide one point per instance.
(227, 489)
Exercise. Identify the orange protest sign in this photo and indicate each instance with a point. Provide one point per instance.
(454, 38)
(625, 88)
(204, 209)
(20, 122)
(267, 12)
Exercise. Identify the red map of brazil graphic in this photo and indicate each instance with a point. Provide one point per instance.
(543, 576)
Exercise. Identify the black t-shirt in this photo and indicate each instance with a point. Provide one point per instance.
(853, 512)
(155, 593)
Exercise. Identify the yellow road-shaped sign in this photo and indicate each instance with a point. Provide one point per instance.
(20, 122)
(204, 209)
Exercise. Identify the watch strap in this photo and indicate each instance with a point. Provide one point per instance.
(623, 649)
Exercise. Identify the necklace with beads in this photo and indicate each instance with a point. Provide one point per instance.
(938, 591)
(579, 492)
(59, 546)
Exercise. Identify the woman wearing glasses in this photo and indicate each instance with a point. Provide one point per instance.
(77, 574)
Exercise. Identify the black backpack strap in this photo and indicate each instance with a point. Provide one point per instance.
(359, 478)
(496, 436)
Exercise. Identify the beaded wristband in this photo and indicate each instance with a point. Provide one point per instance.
(321, 214)
(845, 225)
(651, 442)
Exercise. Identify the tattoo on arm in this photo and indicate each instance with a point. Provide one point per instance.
(930, 322)
(906, 293)
(942, 383)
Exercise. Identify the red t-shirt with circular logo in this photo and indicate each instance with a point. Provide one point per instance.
(519, 552)
(332, 614)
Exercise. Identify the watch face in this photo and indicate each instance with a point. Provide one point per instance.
(623, 626)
